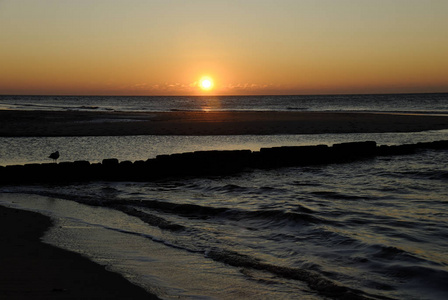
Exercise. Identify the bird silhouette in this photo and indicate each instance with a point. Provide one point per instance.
(54, 156)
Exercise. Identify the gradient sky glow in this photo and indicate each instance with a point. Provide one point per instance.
(164, 47)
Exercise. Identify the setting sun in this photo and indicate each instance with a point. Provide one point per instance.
(141, 48)
(206, 83)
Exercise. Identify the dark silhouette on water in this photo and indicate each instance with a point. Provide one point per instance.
(205, 163)
(54, 156)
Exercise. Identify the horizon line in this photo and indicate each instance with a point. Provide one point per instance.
(221, 95)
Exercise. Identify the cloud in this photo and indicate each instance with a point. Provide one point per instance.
(176, 88)
(252, 86)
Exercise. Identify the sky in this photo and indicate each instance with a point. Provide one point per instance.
(245, 47)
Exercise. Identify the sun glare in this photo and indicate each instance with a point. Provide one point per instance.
(206, 83)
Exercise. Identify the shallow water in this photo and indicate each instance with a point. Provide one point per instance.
(94, 149)
(375, 228)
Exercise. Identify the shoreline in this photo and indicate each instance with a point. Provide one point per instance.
(32, 269)
(77, 123)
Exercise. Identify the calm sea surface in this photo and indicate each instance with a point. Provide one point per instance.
(423, 103)
(376, 228)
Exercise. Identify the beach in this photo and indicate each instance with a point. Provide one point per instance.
(81, 123)
(34, 270)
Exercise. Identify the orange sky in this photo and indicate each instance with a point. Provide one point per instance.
(164, 47)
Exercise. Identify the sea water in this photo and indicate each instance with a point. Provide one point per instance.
(414, 103)
(25, 150)
(375, 228)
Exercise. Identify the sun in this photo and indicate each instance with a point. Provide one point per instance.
(206, 83)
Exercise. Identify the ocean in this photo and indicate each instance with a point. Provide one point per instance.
(376, 228)
(407, 103)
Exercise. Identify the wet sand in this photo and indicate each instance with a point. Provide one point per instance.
(50, 123)
(31, 269)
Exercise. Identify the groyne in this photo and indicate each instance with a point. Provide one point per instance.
(203, 163)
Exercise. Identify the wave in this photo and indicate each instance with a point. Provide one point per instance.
(151, 219)
(302, 215)
(387, 261)
(311, 275)
(316, 281)
(228, 188)
(53, 107)
(297, 108)
(428, 174)
(336, 195)
(88, 107)
(391, 253)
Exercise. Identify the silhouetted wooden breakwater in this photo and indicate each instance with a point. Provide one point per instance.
(203, 163)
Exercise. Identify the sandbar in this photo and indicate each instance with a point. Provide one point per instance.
(80, 123)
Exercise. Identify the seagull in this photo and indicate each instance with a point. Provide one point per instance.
(54, 156)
